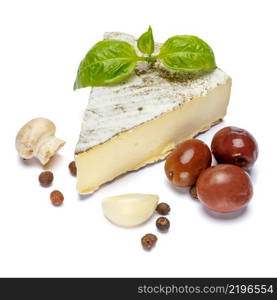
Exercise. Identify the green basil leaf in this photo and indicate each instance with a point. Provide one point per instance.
(108, 62)
(146, 42)
(186, 53)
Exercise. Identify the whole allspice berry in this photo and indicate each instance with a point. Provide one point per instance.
(56, 198)
(148, 241)
(72, 168)
(193, 192)
(163, 208)
(46, 178)
(163, 224)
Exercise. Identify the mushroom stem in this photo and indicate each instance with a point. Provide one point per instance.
(47, 147)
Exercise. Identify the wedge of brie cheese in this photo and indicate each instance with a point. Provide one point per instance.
(139, 121)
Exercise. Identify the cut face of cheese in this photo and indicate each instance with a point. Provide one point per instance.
(140, 121)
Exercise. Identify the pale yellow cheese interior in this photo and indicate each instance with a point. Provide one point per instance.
(150, 141)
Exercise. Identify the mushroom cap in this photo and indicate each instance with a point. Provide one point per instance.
(29, 135)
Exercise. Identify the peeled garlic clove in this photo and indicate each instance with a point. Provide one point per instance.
(129, 210)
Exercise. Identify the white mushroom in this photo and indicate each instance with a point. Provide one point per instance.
(37, 139)
(131, 209)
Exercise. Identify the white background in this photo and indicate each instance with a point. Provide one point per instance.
(42, 43)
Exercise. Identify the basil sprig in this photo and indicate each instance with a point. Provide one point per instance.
(186, 53)
(112, 61)
(146, 42)
(108, 62)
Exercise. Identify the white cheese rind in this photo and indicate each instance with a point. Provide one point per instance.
(151, 141)
(149, 92)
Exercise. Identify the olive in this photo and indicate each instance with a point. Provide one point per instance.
(187, 161)
(235, 146)
(224, 188)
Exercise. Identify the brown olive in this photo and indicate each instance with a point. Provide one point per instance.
(187, 161)
(224, 188)
(235, 146)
